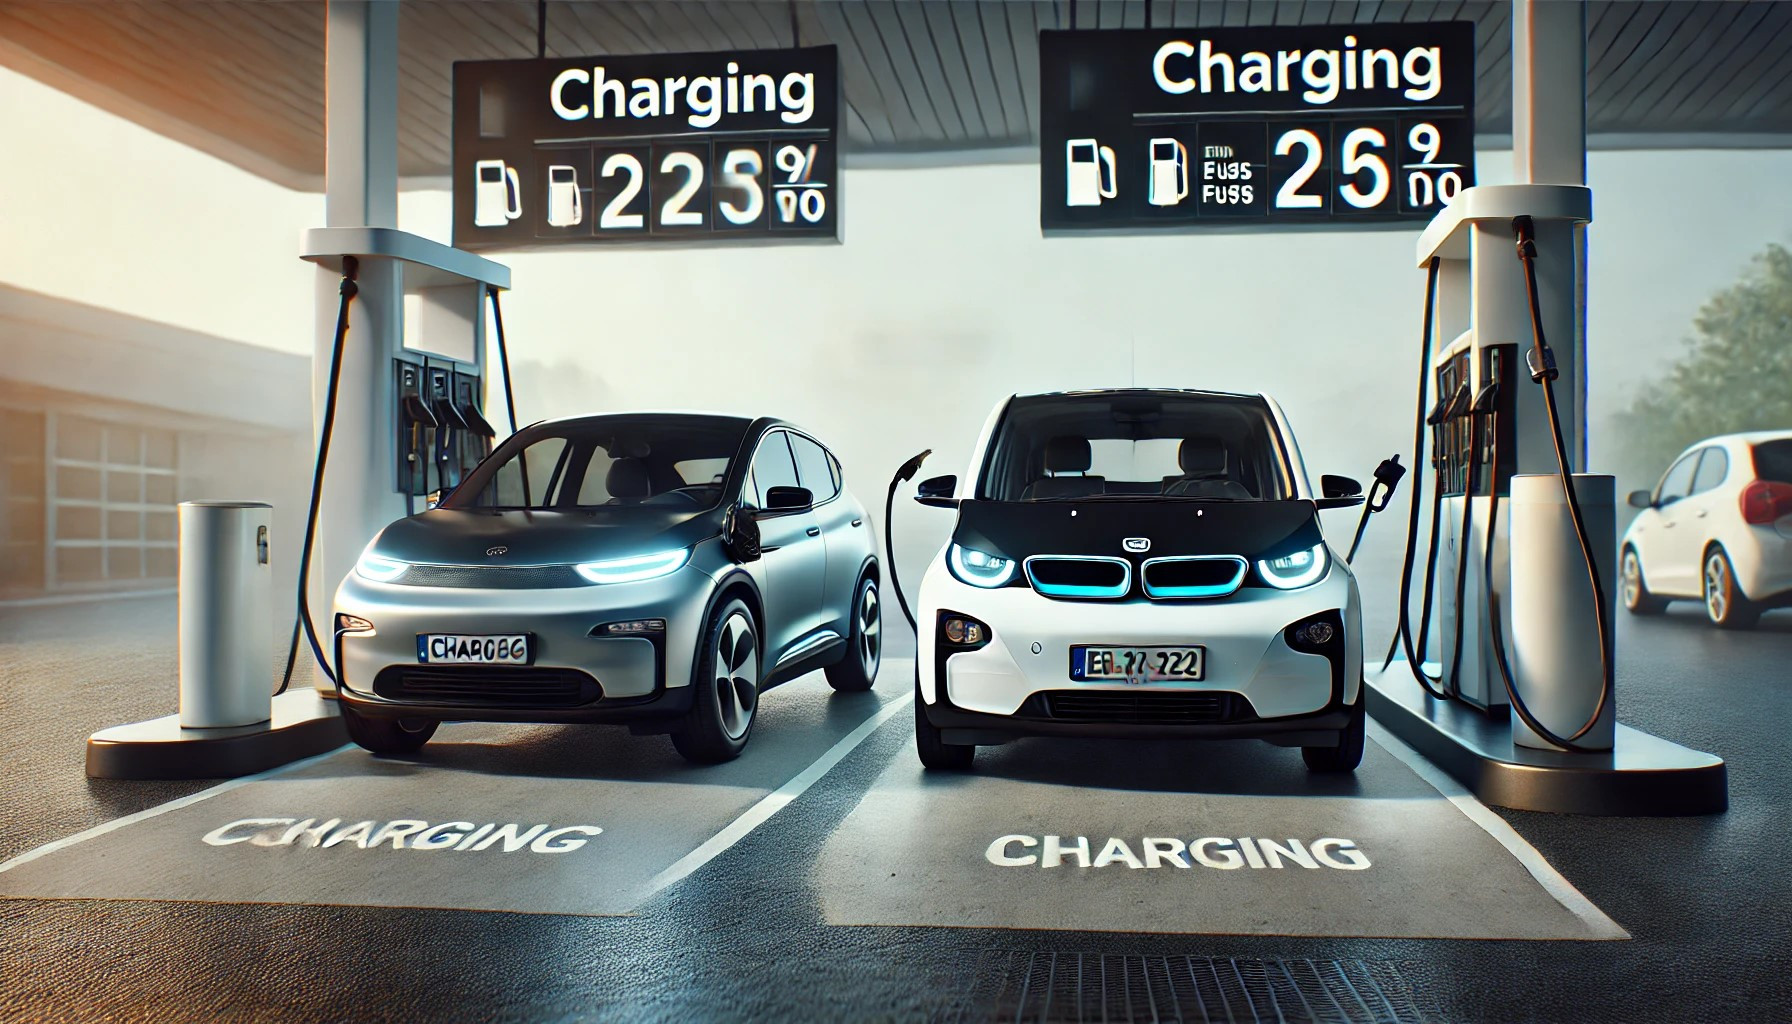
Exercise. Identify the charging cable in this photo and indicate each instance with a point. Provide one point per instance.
(1387, 478)
(906, 473)
(350, 266)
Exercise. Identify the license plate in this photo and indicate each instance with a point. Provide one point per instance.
(1138, 664)
(467, 649)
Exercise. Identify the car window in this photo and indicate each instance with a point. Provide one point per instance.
(812, 467)
(1773, 461)
(595, 489)
(1712, 469)
(701, 471)
(1677, 482)
(538, 467)
(773, 466)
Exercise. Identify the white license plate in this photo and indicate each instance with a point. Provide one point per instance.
(467, 649)
(1138, 664)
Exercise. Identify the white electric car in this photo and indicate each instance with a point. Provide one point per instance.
(1138, 563)
(1717, 528)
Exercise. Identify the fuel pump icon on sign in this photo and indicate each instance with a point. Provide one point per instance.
(497, 194)
(565, 208)
(1168, 176)
(1089, 173)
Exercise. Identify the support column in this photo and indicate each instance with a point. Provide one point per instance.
(1549, 147)
(361, 189)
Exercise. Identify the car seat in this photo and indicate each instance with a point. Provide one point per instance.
(628, 482)
(1204, 462)
(1065, 455)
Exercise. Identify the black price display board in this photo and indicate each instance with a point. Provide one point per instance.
(1254, 126)
(665, 147)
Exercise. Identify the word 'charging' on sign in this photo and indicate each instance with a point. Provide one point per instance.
(698, 148)
(1254, 126)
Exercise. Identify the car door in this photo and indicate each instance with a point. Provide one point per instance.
(793, 554)
(842, 529)
(1702, 510)
(1671, 551)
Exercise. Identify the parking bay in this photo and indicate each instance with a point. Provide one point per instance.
(536, 819)
(1218, 838)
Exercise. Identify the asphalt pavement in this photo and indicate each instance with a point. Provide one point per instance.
(766, 920)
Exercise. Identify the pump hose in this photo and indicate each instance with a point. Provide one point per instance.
(906, 472)
(1543, 371)
(1403, 633)
(503, 359)
(348, 289)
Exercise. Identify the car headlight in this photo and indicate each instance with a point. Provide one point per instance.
(1300, 569)
(979, 568)
(379, 569)
(634, 568)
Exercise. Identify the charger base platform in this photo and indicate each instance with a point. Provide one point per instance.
(303, 725)
(1642, 776)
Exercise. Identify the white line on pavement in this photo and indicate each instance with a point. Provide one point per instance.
(1546, 875)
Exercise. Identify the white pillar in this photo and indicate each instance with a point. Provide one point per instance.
(361, 189)
(1549, 147)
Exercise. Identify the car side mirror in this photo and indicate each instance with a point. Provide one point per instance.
(937, 491)
(789, 499)
(1332, 486)
(1640, 499)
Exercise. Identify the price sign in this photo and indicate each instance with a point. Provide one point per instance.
(693, 147)
(1265, 125)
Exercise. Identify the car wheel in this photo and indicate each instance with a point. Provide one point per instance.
(1637, 599)
(936, 753)
(725, 695)
(1724, 604)
(386, 735)
(858, 669)
(1348, 753)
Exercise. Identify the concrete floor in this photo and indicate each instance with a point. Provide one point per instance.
(1707, 901)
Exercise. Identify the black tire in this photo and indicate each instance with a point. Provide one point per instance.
(1635, 590)
(1725, 604)
(386, 736)
(1349, 752)
(936, 754)
(857, 669)
(725, 692)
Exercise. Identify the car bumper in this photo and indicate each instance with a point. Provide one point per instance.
(1762, 559)
(572, 676)
(1258, 685)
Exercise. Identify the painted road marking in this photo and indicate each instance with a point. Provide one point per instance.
(595, 819)
(1540, 868)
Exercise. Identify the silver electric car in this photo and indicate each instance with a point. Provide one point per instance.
(659, 569)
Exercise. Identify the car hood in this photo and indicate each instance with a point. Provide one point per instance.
(518, 537)
(1253, 529)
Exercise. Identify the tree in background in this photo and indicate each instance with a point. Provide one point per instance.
(1736, 374)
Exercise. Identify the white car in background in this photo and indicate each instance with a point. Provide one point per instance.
(1717, 528)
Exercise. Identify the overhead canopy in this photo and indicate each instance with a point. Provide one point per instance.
(951, 80)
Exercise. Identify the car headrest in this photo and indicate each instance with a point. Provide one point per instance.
(1202, 456)
(1067, 455)
(627, 480)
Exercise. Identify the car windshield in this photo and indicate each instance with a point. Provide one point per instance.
(658, 460)
(1773, 461)
(1137, 446)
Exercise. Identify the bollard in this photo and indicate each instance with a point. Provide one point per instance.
(226, 614)
(1555, 635)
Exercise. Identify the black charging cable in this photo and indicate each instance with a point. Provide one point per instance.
(1541, 362)
(904, 474)
(348, 290)
(1387, 479)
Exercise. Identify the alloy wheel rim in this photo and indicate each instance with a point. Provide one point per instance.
(736, 667)
(870, 631)
(1717, 600)
(1633, 580)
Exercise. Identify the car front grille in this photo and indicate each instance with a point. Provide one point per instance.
(491, 577)
(510, 687)
(1091, 577)
(1193, 576)
(1142, 708)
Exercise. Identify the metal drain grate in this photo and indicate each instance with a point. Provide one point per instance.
(1092, 988)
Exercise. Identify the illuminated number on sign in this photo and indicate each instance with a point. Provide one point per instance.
(740, 170)
(1424, 186)
(1355, 160)
(809, 203)
(1290, 196)
(1424, 137)
(673, 213)
(613, 217)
